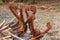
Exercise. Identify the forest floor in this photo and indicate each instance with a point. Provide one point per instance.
(46, 12)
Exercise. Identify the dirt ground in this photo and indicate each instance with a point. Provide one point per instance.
(46, 12)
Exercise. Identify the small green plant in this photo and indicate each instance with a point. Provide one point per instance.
(57, 10)
(1, 2)
(18, 3)
(31, 1)
(46, 17)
